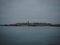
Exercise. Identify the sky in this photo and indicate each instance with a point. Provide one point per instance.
(15, 11)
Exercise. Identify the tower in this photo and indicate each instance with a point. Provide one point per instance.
(27, 21)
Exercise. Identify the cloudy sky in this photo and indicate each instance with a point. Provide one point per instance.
(14, 11)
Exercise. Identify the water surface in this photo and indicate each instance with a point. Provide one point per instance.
(29, 35)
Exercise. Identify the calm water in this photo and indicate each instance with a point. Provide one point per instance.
(29, 35)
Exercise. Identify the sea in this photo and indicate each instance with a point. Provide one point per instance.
(12, 35)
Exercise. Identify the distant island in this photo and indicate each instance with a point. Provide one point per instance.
(31, 24)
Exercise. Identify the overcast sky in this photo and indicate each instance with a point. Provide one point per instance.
(15, 11)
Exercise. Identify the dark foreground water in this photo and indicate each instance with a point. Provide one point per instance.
(29, 35)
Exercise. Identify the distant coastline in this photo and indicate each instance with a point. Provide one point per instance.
(31, 24)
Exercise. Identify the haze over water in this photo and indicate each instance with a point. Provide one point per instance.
(13, 11)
